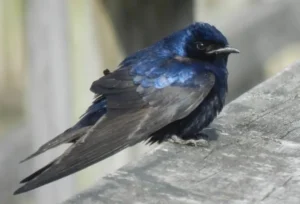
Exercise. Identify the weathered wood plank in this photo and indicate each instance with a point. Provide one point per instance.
(254, 157)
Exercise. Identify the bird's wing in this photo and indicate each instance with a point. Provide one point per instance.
(138, 104)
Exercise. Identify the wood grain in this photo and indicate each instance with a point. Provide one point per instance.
(254, 157)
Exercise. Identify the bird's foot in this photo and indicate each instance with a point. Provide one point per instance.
(199, 140)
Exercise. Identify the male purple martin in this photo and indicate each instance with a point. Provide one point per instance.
(176, 86)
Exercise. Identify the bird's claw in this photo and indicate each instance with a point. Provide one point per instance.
(201, 142)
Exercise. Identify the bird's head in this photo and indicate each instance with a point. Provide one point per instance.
(200, 41)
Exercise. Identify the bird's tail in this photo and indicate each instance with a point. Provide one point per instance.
(105, 138)
(67, 136)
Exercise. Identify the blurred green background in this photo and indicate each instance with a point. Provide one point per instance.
(52, 50)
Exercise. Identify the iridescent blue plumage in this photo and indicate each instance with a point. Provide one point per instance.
(176, 61)
(176, 86)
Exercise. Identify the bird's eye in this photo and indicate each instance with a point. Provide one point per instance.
(200, 46)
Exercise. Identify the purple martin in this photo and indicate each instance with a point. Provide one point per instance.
(176, 86)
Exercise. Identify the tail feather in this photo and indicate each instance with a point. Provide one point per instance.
(65, 137)
(93, 147)
(37, 173)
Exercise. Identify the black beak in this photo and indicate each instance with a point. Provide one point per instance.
(223, 50)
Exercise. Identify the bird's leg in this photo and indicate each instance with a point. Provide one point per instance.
(197, 140)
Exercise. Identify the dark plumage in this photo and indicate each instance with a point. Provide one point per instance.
(176, 86)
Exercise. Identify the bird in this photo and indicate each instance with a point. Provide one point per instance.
(176, 86)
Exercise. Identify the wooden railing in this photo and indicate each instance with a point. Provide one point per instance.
(254, 157)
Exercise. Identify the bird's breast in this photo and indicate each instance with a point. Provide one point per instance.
(202, 116)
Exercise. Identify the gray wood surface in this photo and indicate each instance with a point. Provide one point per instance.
(253, 157)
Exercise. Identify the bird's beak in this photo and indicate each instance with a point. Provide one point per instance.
(223, 50)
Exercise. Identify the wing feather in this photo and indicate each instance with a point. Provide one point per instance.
(155, 103)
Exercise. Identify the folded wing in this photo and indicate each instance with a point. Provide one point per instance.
(138, 104)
